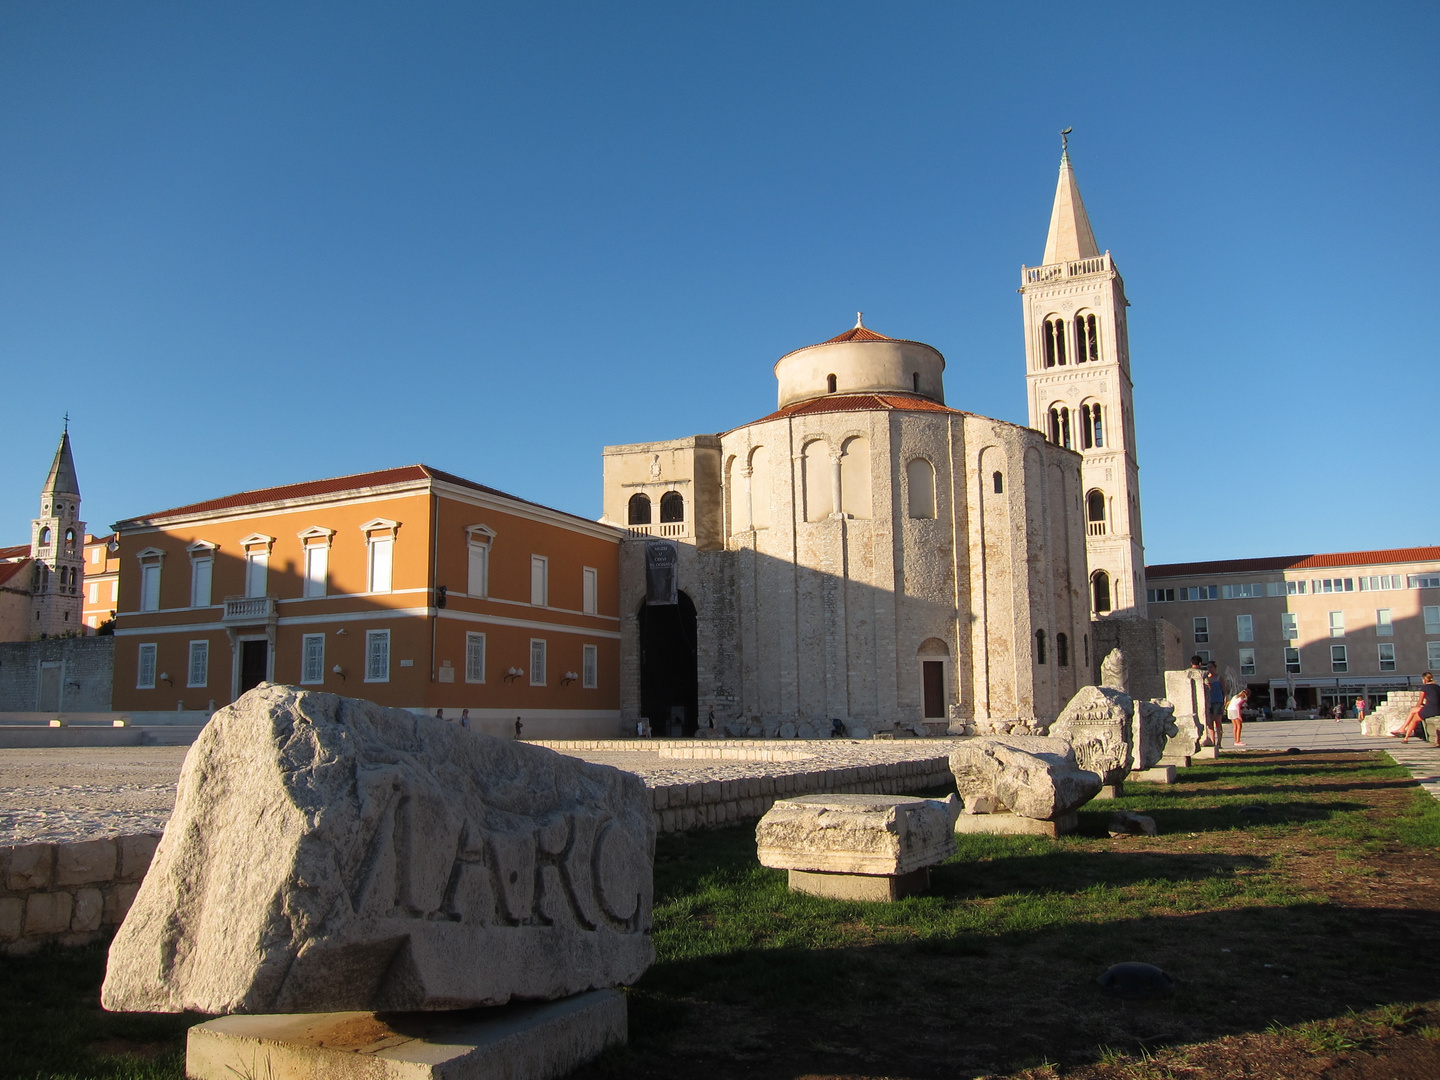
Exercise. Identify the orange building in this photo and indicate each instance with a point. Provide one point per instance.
(100, 598)
(410, 587)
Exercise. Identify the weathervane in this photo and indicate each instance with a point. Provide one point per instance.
(1065, 141)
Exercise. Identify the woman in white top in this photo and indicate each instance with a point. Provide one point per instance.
(1232, 713)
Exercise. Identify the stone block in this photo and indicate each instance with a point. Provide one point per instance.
(874, 888)
(89, 907)
(1161, 774)
(1031, 775)
(327, 853)
(1015, 825)
(856, 834)
(514, 1042)
(32, 866)
(1154, 726)
(12, 917)
(88, 862)
(48, 913)
(1205, 753)
(1097, 723)
(136, 853)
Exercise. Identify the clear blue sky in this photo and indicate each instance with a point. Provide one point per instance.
(249, 244)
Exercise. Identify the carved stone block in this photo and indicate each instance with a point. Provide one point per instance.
(1030, 775)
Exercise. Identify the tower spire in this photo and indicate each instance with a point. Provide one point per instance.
(62, 479)
(1070, 235)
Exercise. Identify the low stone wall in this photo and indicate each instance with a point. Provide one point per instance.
(1392, 711)
(69, 893)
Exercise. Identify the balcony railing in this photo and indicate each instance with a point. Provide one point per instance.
(248, 609)
(1035, 275)
(1096, 528)
(669, 528)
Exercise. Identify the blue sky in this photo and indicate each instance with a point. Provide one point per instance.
(251, 244)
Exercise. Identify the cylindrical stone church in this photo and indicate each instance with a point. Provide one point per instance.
(865, 553)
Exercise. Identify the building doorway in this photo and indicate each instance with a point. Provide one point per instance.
(48, 699)
(933, 672)
(669, 685)
(254, 663)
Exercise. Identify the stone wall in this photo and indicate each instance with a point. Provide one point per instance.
(1392, 711)
(86, 668)
(1151, 647)
(71, 894)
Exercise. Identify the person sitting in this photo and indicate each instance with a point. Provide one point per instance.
(1427, 707)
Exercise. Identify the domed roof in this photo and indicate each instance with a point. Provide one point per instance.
(860, 361)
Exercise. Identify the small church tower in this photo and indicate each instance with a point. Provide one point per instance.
(57, 544)
(1077, 373)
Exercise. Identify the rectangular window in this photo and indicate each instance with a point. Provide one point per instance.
(1383, 626)
(1425, 581)
(1292, 661)
(257, 573)
(115, 590)
(1339, 664)
(150, 587)
(537, 661)
(145, 669)
(1202, 629)
(590, 580)
(1275, 588)
(1387, 657)
(1337, 624)
(317, 569)
(1294, 588)
(377, 655)
(1245, 627)
(1432, 655)
(539, 580)
(199, 663)
(1160, 596)
(590, 667)
(1432, 619)
(382, 558)
(94, 592)
(475, 658)
(201, 574)
(478, 583)
(1289, 625)
(1247, 661)
(1204, 655)
(1242, 592)
(312, 659)
(95, 555)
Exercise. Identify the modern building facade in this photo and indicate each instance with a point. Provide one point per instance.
(410, 587)
(1323, 629)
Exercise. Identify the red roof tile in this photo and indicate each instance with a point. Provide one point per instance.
(1296, 562)
(859, 403)
(12, 569)
(18, 551)
(857, 333)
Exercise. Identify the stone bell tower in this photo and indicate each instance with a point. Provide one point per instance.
(1078, 389)
(57, 544)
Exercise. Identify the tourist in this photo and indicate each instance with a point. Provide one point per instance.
(465, 719)
(1428, 706)
(1214, 704)
(1361, 708)
(1235, 711)
(439, 714)
(519, 727)
(710, 720)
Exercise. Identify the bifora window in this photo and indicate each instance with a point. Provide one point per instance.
(1092, 428)
(1087, 339)
(1053, 344)
(1060, 426)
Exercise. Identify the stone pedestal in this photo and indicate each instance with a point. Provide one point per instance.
(874, 887)
(1161, 774)
(509, 1042)
(1112, 791)
(1015, 825)
(1205, 753)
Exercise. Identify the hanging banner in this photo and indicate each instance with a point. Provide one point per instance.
(661, 557)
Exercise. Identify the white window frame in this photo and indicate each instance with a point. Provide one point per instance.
(312, 676)
(538, 648)
(1337, 624)
(146, 665)
(377, 673)
(1339, 660)
(539, 581)
(1384, 624)
(93, 593)
(1247, 661)
(478, 539)
(1245, 628)
(474, 657)
(1289, 625)
(380, 536)
(114, 590)
(1204, 655)
(589, 590)
(1381, 650)
(1289, 661)
(1431, 613)
(152, 562)
(315, 556)
(1200, 628)
(1432, 655)
(200, 648)
(590, 666)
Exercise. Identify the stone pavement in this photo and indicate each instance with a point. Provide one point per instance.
(1421, 758)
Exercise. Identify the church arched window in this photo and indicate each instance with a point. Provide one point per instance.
(1060, 426)
(639, 509)
(1095, 512)
(1087, 340)
(1040, 646)
(1100, 591)
(45, 535)
(815, 474)
(761, 486)
(1092, 432)
(999, 482)
(920, 488)
(830, 384)
(70, 541)
(915, 380)
(672, 507)
(1054, 343)
(1062, 650)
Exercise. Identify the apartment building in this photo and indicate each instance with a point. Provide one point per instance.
(410, 587)
(1319, 628)
(100, 596)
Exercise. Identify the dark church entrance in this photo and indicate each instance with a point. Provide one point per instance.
(669, 689)
(254, 660)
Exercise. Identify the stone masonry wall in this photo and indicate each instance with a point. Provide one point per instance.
(70, 894)
(87, 666)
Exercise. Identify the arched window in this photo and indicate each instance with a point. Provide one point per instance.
(1097, 425)
(1085, 427)
(915, 380)
(70, 541)
(1060, 426)
(1062, 650)
(920, 482)
(672, 507)
(1100, 588)
(1040, 646)
(855, 477)
(45, 536)
(815, 473)
(1087, 341)
(1095, 512)
(830, 384)
(639, 509)
(999, 482)
(1054, 343)
(760, 488)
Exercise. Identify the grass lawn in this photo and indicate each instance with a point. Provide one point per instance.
(1294, 898)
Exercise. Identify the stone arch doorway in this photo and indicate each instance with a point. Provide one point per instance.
(934, 654)
(669, 686)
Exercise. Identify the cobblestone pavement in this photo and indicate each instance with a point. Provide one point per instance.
(1421, 758)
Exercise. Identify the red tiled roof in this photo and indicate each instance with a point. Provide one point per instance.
(11, 569)
(18, 551)
(859, 403)
(858, 333)
(333, 486)
(1296, 562)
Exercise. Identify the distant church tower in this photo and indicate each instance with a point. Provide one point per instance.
(57, 544)
(1077, 373)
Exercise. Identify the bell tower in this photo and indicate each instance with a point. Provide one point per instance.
(1078, 390)
(57, 544)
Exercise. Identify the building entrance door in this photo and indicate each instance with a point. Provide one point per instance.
(669, 683)
(254, 660)
(933, 676)
(49, 697)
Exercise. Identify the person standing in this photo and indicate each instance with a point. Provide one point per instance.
(1361, 708)
(1214, 703)
(1235, 711)
(519, 727)
(710, 720)
(465, 719)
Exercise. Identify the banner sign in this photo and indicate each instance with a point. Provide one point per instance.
(661, 557)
